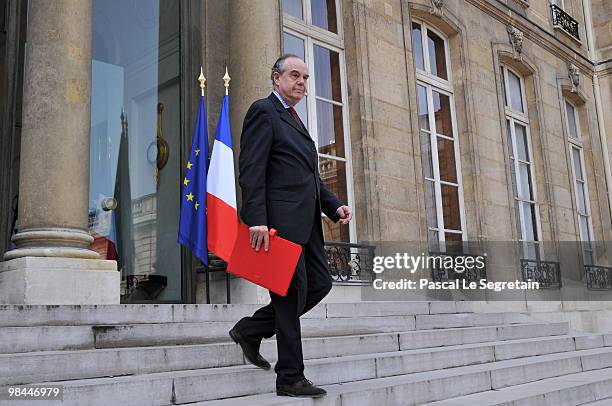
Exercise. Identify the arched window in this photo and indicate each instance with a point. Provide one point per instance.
(520, 152)
(312, 30)
(438, 135)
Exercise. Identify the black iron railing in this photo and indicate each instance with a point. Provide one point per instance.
(350, 263)
(598, 277)
(144, 287)
(470, 271)
(564, 21)
(215, 265)
(546, 273)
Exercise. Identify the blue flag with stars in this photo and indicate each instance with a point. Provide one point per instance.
(192, 227)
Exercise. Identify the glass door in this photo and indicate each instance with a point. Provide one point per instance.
(135, 145)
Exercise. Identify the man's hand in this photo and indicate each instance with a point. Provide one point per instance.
(345, 214)
(257, 235)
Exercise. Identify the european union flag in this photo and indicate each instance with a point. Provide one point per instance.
(193, 228)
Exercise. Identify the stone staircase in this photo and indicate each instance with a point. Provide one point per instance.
(370, 353)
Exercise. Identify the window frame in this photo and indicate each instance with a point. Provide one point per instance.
(577, 144)
(520, 115)
(515, 117)
(433, 83)
(306, 27)
(313, 35)
(578, 139)
(426, 75)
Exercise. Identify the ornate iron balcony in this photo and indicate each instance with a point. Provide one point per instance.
(564, 21)
(547, 273)
(598, 277)
(350, 263)
(441, 273)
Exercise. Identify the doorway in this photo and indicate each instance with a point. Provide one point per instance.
(137, 137)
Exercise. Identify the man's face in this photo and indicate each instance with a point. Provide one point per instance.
(291, 84)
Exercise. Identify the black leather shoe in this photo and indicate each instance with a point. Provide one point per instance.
(300, 389)
(250, 350)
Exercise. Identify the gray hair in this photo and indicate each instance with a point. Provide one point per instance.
(279, 65)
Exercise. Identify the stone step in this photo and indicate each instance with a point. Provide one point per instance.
(359, 367)
(131, 335)
(583, 388)
(35, 315)
(603, 402)
(412, 340)
(584, 341)
(52, 338)
(533, 346)
(433, 321)
(465, 335)
(75, 315)
(45, 338)
(362, 377)
(33, 367)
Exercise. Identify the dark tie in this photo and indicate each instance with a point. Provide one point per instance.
(295, 115)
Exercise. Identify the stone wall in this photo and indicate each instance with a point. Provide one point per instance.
(387, 169)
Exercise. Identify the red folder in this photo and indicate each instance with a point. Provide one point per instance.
(272, 270)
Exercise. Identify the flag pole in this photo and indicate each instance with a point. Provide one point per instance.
(226, 80)
(202, 80)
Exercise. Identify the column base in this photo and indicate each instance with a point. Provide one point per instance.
(59, 281)
(52, 242)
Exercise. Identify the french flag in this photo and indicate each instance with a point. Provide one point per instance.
(221, 191)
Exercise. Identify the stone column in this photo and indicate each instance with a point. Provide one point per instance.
(254, 44)
(52, 263)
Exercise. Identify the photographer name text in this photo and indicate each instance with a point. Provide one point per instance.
(409, 284)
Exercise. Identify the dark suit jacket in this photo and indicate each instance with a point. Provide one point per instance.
(279, 173)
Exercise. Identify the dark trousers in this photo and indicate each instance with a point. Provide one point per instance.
(310, 284)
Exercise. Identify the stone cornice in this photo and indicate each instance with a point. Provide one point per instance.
(604, 69)
(535, 33)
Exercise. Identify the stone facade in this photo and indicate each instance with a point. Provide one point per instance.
(482, 36)
(388, 183)
(383, 116)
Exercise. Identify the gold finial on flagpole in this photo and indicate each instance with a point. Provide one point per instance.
(202, 80)
(226, 79)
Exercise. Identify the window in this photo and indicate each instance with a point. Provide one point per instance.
(558, 3)
(521, 164)
(562, 20)
(319, 13)
(294, 8)
(581, 191)
(312, 31)
(438, 137)
(136, 98)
